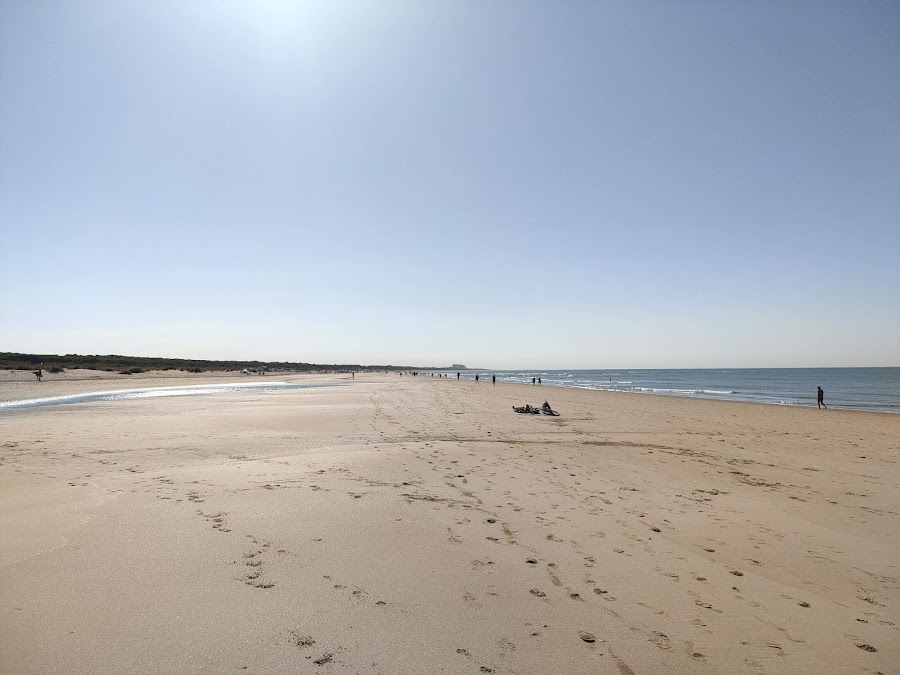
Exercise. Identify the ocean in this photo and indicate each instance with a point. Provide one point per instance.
(875, 389)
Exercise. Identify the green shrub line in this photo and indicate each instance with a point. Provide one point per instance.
(128, 365)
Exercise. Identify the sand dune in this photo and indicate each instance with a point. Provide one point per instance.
(405, 525)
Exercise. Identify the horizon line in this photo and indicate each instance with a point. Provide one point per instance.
(448, 367)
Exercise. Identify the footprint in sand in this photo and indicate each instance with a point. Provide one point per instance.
(299, 640)
(660, 640)
(587, 637)
(472, 600)
(506, 644)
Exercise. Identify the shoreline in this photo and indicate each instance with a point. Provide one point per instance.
(791, 386)
(19, 384)
(801, 406)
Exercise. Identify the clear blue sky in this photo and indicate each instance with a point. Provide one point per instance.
(501, 184)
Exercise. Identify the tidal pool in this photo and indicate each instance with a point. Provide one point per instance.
(157, 392)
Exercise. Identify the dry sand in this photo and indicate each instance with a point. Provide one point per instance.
(400, 525)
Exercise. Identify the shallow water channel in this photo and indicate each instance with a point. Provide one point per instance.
(157, 392)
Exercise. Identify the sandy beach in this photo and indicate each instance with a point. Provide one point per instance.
(389, 525)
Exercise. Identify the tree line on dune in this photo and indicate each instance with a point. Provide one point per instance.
(136, 364)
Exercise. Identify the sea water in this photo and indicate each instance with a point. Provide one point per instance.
(876, 389)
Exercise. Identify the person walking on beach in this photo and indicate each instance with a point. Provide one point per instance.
(457, 376)
(494, 380)
(820, 399)
(533, 380)
(539, 383)
(476, 377)
(38, 374)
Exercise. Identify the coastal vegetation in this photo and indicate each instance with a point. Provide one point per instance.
(137, 364)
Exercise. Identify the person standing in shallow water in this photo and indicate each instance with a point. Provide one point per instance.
(476, 377)
(820, 398)
(494, 380)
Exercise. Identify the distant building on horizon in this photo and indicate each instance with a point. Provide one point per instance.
(458, 366)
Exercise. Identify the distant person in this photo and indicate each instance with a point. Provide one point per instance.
(38, 374)
(820, 399)
(494, 380)
(539, 383)
(457, 376)
(533, 380)
(476, 377)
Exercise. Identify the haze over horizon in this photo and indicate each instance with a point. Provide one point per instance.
(505, 184)
(444, 365)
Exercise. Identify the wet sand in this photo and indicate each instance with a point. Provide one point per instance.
(402, 525)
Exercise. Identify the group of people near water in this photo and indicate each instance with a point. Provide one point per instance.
(534, 380)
